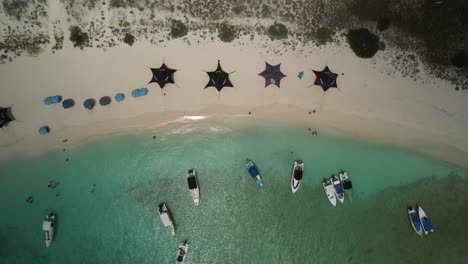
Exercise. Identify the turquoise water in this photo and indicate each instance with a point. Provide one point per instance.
(237, 221)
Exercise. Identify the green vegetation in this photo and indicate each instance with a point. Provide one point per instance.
(363, 42)
(383, 23)
(459, 60)
(129, 39)
(118, 3)
(324, 35)
(33, 50)
(266, 12)
(226, 32)
(78, 37)
(178, 29)
(238, 9)
(278, 31)
(15, 8)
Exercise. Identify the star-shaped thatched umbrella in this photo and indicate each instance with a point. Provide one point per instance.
(219, 79)
(272, 74)
(162, 75)
(326, 79)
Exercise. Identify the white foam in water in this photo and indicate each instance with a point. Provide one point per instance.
(195, 117)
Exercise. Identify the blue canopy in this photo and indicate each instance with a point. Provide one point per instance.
(52, 99)
(253, 171)
(339, 188)
(44, 130)
(416, 222)
(139, 92)
(427, 224)
(119, 97)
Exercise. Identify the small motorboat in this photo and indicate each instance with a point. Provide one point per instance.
(193, 186)
(344, 178)
(415, 221)
(166, 218)
(48, 226)
(182, 252)
(296, 175)
(338, 188)
(426, 223)
(330, 191)
(250, 166)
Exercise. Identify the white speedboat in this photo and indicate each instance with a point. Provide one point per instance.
(166, 218)
(182, 252)
(338, 188)
(415, 221)
(48, 226)
(193, 186)
(426, 223)
(330, 191)
(296, 175)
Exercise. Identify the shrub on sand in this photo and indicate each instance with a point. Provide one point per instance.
(278, 31)
(363, 42)
(78, 37)
(226, 32)
(178, 29)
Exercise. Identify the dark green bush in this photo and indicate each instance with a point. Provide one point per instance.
(178, 29)
(15, 8)
(238, 9)
(278, 31)
(129, 39)
(226, 32)
(78, 37)
(383, 23)
(324, 35)
(363, 42)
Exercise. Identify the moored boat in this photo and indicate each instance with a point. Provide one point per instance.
(338, 188)
(252, 169)
(48, 226)
(415, 221)
(296, 175)
(166, 218)
(193, 186)
(182, 252)
(426, 223)
(330, 191)
(344, 178)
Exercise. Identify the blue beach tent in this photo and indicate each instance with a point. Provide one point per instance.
(44, 130)
(300, 75)
(68, 103)
(139, 92)
(89, 103)
(105, 100)
(119, 97)
(52, 99)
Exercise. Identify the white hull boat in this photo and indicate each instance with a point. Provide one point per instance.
(296, 175)
(166, 218)
(415, 221)
(193, 186)
(426, 223)
(48, 226)
(182, 252)
(339, 192)
(330, 191)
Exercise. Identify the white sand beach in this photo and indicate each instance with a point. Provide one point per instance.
(425, 114)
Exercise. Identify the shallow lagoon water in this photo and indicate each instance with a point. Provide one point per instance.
(237, 221)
